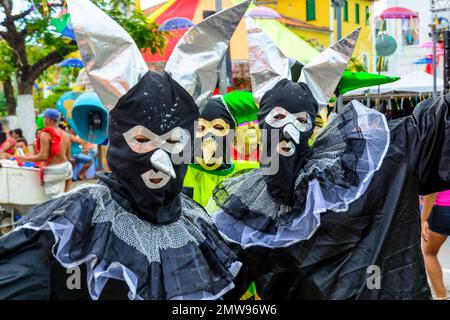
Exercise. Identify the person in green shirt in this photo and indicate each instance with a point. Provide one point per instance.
(217, 153)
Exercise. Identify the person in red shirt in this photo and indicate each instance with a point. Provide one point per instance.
(53, 148)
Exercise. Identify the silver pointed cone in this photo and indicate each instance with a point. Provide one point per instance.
(196, 59)
(322, 75)
(112, 60)
(268, 65)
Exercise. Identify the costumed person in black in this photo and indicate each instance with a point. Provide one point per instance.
(342, 222)
(134, 233)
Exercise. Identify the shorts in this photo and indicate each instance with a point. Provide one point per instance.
(82, 158)
(439, 220)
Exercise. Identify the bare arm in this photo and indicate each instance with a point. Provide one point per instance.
(428, 204)
(68, 155)
(74, 138)
(43, 153)
(6, 146)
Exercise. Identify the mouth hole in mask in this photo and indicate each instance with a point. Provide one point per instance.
(285, 148)
(155, 180)
(211, 164)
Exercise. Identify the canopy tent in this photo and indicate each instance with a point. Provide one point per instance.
(355, 80)
(418, 82)
(193, 10)
(289, 43)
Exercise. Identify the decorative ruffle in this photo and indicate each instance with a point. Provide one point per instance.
(186, 259)
(344, 158)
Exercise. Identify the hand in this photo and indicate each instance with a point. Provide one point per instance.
(425, 231)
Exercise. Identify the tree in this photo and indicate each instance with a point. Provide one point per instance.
(33, 46)
(7, 68)
(355, 65)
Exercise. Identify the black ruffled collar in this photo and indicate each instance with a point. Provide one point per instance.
(161, 215)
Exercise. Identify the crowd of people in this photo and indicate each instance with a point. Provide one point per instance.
(57, 151)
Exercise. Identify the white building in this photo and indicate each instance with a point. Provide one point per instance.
(409, 51)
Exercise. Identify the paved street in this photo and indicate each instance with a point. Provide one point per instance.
(444, 258)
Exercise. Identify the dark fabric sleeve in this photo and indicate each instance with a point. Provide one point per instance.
(25, 265)
(425, 136)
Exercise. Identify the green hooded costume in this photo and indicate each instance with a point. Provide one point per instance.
(229, 111)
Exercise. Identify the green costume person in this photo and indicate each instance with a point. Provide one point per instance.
(214, 152)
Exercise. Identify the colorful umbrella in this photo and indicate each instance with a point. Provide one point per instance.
(65, 106)
(195, 11)
(177, 23)
(263, 13)
(398, 13)
(63, 25)
(72, 63)
(289, 43)
(424, 61)
(426, 44)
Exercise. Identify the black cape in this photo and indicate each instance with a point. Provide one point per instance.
(379, 231)
(117, 255)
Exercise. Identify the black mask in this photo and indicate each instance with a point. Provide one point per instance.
(214, 135)
(151, 123)
(289, 110)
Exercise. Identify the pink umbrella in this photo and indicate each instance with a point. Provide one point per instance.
(263, 13)
(398, 13)
(427, 44)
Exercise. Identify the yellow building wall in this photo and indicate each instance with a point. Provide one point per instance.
(364, 47)
(297, 9)
(321, 37)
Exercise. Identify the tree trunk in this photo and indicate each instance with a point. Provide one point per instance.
(25, 110)
(9, 95)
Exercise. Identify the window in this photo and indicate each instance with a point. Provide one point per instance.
(346, 11)
(367, 15)
(310, 10)
(357, 13)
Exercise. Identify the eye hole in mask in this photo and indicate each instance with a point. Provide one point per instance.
(279, 117)
(142, 140)
(172, 141)
(217, 127)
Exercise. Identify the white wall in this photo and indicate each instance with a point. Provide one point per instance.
(402, 62)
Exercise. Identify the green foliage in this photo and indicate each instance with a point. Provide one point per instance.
(144, 33)
(7, 63)
(50, 102)
(43, 41)
(3, 107)
(355, 65)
